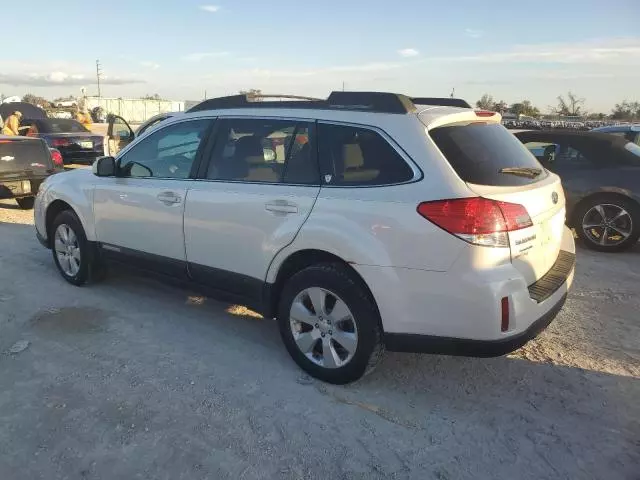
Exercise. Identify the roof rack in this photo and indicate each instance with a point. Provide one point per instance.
(441, 102)
(379, 102)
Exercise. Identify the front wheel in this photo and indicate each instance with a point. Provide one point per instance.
(73, 254)
(26, 203)
(608, 223)
(329, 324)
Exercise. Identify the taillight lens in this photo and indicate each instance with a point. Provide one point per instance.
(484, 113)
(477, 220)
(60, 142)
(56, 158)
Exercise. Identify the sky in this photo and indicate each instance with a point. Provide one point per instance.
(184, 49)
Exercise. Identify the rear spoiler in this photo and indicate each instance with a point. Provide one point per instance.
(441, 102)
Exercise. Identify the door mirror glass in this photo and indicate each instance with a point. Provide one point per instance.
(104, 167)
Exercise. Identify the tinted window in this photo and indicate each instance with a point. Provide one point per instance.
(477, 152)
(359, 156)
(262, 150)
(167, 153)
(61, 125)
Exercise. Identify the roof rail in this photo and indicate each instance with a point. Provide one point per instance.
(379, 102)
(442, 102)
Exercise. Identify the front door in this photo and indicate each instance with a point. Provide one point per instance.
(139, 212)
(250, 201)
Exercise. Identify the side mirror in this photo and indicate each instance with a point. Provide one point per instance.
(104, 167)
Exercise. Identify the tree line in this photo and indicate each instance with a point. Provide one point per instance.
(570, 105)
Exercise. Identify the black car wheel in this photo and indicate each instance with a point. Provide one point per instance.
(608, 223)
(73, 254)
(329, 324)
(26, 203)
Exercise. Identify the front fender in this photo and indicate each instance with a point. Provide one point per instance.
(76, 189)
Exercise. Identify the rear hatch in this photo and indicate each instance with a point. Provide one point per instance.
(22, 157)
(496, 166)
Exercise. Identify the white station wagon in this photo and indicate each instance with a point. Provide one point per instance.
(363, 222)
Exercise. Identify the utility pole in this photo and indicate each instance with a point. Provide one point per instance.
(98, 75)
(343, 86)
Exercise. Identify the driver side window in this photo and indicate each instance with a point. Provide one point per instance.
(166, 153)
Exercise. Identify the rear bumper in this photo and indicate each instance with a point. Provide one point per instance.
(13, 192)
(458, 312)
(84, 159)
(402, 342)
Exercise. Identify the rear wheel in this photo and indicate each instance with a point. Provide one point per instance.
(329, 324)
(26, 203)
(608, 223)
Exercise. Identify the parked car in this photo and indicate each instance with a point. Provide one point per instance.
(24, 164)
(601, 176)
(362, 222)
(629, 132)
(120, 133)
(75, 142)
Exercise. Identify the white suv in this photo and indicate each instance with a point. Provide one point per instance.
(362, 222)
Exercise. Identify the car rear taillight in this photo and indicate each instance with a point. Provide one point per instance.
(60, 142)
(477, 220)
(56, 158)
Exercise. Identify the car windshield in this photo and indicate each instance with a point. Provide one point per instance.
(60, 125)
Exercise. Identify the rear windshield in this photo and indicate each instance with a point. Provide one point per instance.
(61, 125)
(19, 155)
(478, 153)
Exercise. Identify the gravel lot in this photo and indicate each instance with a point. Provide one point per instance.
(135, 379)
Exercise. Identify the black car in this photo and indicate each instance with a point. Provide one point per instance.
(74, 141)
(601, 178)
(24, 164)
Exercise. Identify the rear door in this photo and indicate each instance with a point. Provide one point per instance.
(496, 165)
(251, 199)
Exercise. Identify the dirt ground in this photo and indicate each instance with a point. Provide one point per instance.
(135, 379)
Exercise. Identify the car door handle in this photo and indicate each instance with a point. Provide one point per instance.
(169, 198)
(281, 206)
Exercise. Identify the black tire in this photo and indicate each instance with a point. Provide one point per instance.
(90, 268)
(26, 203)
(610, 203)
(335, 278)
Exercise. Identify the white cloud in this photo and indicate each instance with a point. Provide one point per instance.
(473, 33)
(197, 57)
(59, 78)
(408, 52)
(595, 52)
(151, 65)
(210, 8)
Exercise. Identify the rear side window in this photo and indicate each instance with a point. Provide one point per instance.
(479, 153)
(264, 150)
(352, 156)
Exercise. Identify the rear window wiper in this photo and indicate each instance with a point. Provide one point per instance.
(528, 172)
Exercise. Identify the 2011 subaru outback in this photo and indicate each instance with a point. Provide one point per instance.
(361, 222)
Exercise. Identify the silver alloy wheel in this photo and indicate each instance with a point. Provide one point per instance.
(323, 327)
(607, 224)
(67, 250)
